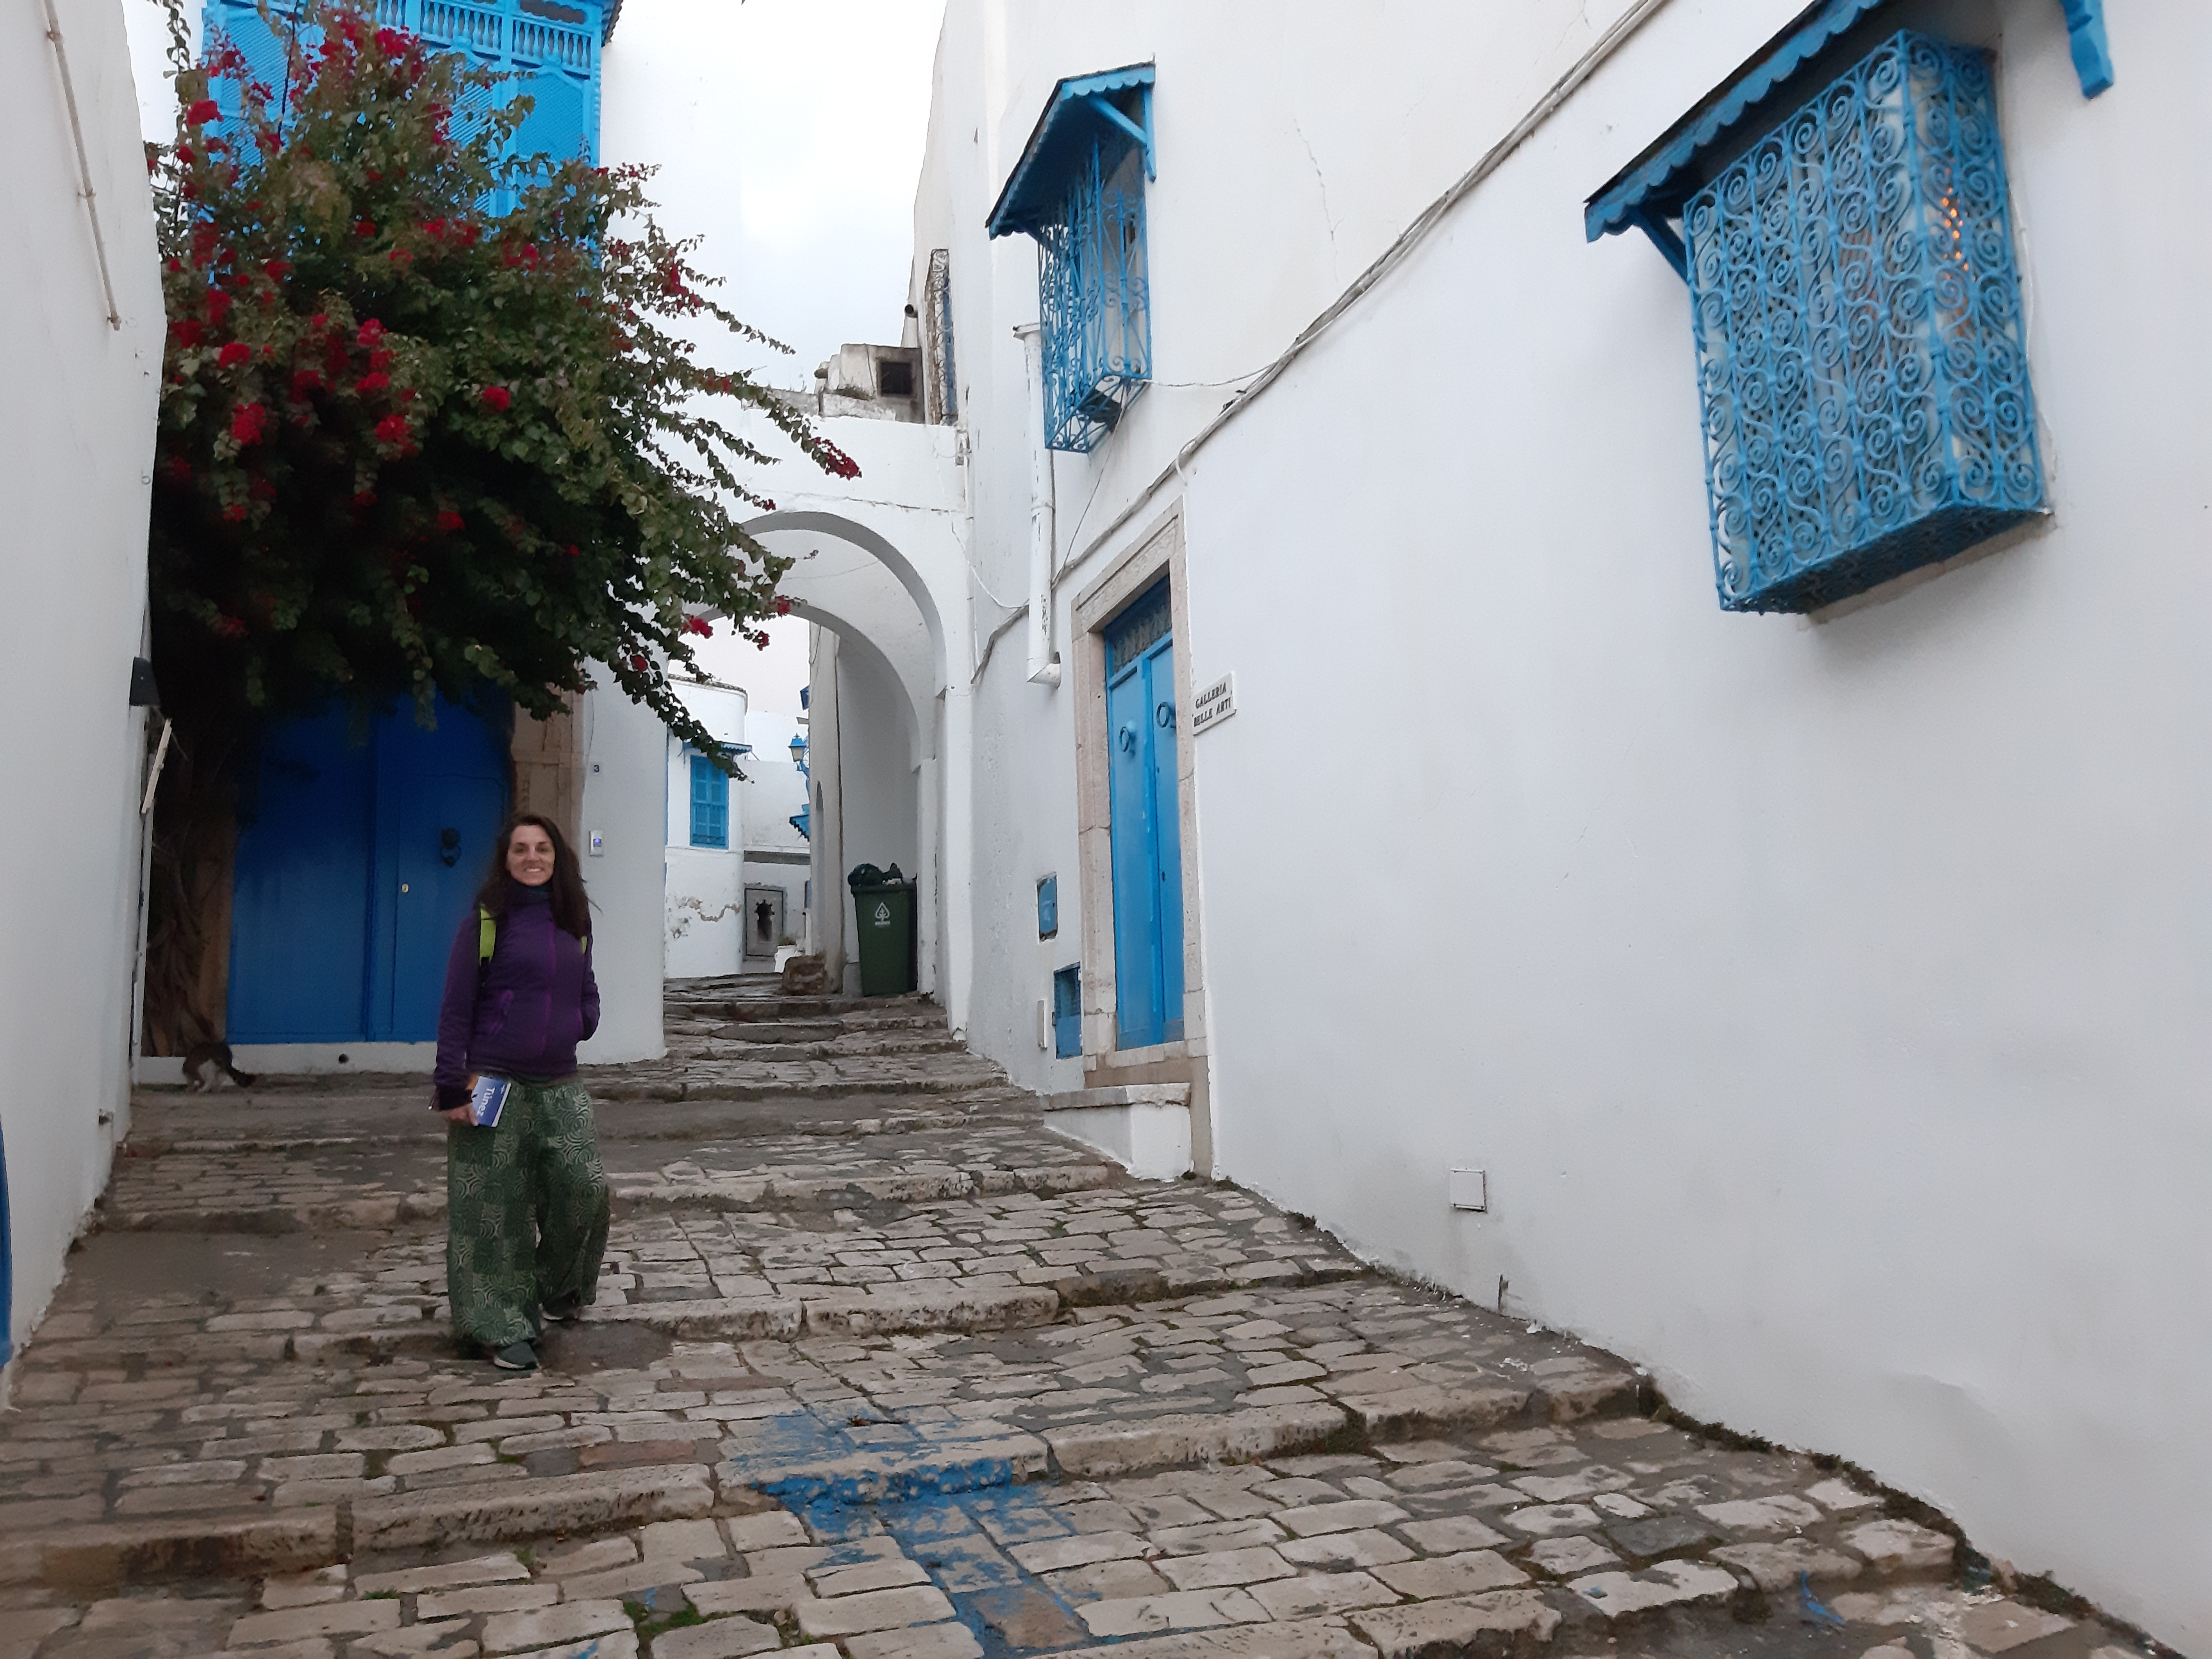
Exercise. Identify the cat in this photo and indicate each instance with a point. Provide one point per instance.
(218, 1055)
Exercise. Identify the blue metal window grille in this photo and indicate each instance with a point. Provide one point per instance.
(1067, 1012)
(1048, 907)
(1079, 190)
(1862, 357)
(710, 804)
(552, 48)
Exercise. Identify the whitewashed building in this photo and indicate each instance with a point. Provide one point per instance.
(1766, 646)
(706, 847)
(81, 329)
(778, 861)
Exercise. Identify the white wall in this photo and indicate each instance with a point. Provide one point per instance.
(1823, 998)
(704, 914)
(624, 789)
(879, 780)
(76, 446)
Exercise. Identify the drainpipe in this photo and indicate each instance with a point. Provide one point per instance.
(1043, 662)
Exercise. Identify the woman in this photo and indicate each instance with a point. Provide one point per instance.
(525, 1199)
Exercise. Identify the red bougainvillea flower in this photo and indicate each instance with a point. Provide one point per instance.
(700, 626)
(249, 423)
(392, 429)
(363, 499)
(218, 305)
(449, 520)
(761, 639)
(305, 380)
(278, 270)
(369, 383)
(180, 469)
(498, 397)
(364, 228)
(186, 330)
(575, 551)
(320, 320)
(201, 114)
(232, 355)
(782, 605)
(434, 229)
(235, 513)
(400, 256)
(638, 663)
(371, 333)
(229, 627)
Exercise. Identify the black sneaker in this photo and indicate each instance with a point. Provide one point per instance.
(516, 1356)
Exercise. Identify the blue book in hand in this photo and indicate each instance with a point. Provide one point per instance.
(486, 1100)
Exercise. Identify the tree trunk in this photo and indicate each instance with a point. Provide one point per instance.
(189, 894)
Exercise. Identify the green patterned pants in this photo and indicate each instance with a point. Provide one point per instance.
(525, 1213)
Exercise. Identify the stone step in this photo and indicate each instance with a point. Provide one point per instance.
(374, 1211)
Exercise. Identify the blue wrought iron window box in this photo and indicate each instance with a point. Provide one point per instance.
(1079, 189)
(550, 47)
(1856, 309)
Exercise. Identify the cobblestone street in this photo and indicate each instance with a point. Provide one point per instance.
(878, 1367)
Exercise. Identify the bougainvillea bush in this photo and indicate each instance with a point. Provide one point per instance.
(411, 444)
(407, 443)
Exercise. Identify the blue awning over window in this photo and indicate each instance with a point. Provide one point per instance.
(1117, 105)
(1655, 185)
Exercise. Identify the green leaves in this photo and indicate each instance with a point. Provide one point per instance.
(409, 445)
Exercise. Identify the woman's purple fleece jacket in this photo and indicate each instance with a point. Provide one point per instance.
(522, 1014)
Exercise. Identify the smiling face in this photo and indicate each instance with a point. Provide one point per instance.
(530, 855)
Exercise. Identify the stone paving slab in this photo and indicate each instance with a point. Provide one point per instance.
(925, 1386)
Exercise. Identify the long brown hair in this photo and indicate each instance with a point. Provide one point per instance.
(572, 911)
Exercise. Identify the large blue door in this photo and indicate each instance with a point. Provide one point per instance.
(1146, 826)
(300, 895)
(356, 857)
(441, 797)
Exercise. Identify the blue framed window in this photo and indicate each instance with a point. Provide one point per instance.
(550, 47)
(1067, 1012)
(1048, 907)
(1845, 232)
(710, 804)
(1079, 190)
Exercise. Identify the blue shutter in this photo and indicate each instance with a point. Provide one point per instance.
(710, 804)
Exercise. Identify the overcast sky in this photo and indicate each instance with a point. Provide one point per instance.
(789, 134)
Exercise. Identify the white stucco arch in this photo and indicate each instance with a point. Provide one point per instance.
(880, 562)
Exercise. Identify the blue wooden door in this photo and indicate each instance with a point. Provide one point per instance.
(1146, 825)
(441, 797)
(299, 896)
(357, 854)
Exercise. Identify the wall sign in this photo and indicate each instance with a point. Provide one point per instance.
(1213, 705)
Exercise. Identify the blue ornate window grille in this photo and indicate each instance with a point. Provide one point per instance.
(1846, 236)
(552, 48)
(1862, 357)
(1079, 190)
(710, 804)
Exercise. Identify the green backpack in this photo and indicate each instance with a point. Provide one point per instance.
(488, 937)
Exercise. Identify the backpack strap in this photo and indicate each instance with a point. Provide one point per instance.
(487, 935)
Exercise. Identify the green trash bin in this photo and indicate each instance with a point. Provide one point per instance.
(883, 906)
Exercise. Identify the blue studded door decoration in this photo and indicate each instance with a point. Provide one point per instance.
(358, 853)
(1147, 825)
